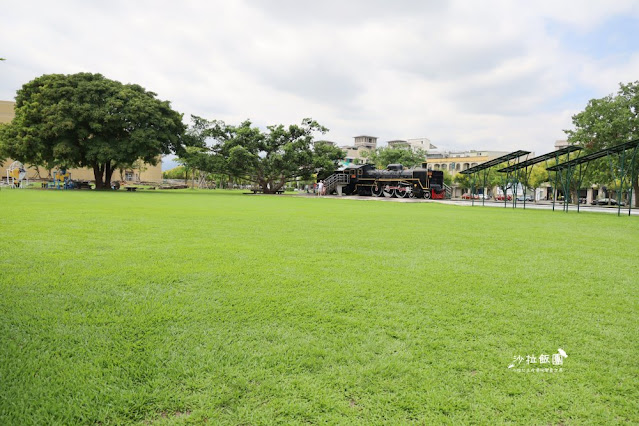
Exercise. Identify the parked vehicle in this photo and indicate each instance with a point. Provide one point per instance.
(526, 198)
(606, 202)
(501, 198)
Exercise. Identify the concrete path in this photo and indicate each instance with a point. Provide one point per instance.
(584, 208)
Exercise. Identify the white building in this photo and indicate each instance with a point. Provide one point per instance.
(418, 143)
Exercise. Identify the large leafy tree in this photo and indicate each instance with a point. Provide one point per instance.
(199, 159)
(606, 122)
(268, 158)
(87, 120)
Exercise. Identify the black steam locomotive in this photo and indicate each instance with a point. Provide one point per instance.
(395, 181)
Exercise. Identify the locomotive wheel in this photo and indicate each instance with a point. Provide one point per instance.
(377, 191)
(388, 192)
(401, 194)
(406, 193)
(427, 194)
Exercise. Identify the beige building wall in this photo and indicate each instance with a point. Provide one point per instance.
(148, 173)
(369, 142)
(6, 111)
(455, 164)
(356, 153)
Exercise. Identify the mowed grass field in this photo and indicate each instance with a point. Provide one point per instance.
(191, 307)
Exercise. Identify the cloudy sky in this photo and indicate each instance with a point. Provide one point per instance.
(499, 75)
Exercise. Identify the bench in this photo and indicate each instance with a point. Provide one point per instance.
(132, 188)
(81, 184)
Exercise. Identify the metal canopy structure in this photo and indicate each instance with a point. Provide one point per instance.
(545, 157)
(595, 155)
(620, 171)
(527, 166)
(494, 162)
(485, 167)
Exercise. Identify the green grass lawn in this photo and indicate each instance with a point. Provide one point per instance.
(185, 307)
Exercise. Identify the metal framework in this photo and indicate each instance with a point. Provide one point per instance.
(620, 172)
(485, 167)
(528, 167)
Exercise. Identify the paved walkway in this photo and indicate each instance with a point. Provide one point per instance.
(489, 203)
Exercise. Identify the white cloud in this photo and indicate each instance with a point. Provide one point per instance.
(486, 75)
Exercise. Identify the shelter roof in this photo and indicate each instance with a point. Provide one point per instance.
(548, 156)
(595, 155)
(494, 162)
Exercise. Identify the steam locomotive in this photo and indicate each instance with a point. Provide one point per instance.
(394, 181)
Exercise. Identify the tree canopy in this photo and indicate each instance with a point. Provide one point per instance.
(493, 179)
(268, 158)
(537, 176)
(606, 122)
(87, 120)
(407, 157)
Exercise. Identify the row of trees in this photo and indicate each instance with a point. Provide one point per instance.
(537, 176)
(204, 162)
(87, 120)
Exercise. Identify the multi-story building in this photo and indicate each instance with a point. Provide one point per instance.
(143, 173)
(416, 143)
(357, 152)
(368, 142)
(456, 161)
(398, 143)
(421, 143)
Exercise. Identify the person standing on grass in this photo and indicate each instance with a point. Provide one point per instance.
(320, 188)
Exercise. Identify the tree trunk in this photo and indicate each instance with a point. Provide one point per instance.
(102, 174)
(635, 191)
(98, 171)
(108, 173)
(262, 183)
(280, 184)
